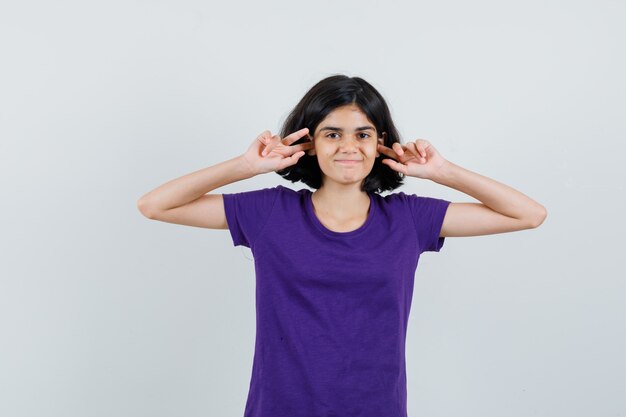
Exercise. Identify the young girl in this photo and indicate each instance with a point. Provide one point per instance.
(335, 267)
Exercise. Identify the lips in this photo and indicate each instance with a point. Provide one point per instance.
(348, 163)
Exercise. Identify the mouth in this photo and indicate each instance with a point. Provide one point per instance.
(348, 161)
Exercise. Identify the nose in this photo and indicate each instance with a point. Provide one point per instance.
(348, 143)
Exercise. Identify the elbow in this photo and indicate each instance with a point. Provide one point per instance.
(539, 218)
(144, 208)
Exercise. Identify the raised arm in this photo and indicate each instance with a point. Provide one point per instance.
(185, 200)
(502, 208)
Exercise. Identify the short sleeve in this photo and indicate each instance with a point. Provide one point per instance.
(247, 212)
(428, 214)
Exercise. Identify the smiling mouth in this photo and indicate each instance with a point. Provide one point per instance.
(348, 161)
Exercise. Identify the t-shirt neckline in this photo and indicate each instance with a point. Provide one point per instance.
(332, 233)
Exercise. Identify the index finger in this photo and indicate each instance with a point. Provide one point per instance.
(301, 147)
(388, 151)
(295, 135)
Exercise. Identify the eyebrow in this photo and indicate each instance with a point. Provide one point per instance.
(358, 129)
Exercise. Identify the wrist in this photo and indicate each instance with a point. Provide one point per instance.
(247, 169)
(445, 173)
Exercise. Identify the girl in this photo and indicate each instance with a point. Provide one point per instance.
(335, 267)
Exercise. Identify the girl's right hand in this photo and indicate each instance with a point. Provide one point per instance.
(271, 153)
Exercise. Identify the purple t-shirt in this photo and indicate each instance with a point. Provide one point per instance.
(331, 307)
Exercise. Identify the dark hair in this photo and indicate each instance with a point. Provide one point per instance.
(317, 103)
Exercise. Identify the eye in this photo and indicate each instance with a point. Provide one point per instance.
(334, 133)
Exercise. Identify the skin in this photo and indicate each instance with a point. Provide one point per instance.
(341, 205)
(339, 202)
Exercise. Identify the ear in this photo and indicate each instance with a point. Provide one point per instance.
(382, 142)
(312, 150)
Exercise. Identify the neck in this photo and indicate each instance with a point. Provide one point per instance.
(341, 201)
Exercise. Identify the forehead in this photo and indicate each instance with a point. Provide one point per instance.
(346, 116)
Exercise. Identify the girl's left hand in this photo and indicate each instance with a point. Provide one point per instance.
(417, 159)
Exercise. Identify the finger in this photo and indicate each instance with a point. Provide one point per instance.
(387, 151)
(396, 166)
(302, 146)
(412, 148)
(295, 136)
(264, 137)
(275, 140)
(264, 141)
(398, 148)
(284, 163)
(421, 146)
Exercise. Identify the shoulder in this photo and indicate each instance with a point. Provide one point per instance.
(399, 195)
(403, 197)
(395, 198)
(413, 202)
(257, 193)
(287, 192)
(264, 197)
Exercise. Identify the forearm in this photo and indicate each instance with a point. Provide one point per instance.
(180, 191)
(497, 196)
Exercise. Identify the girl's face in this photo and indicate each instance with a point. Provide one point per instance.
(345, 143)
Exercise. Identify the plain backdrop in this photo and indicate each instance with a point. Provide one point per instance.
(104, 312)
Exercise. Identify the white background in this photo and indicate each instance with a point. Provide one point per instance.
(106, 313)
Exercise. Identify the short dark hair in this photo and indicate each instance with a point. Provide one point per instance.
(321, 99)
